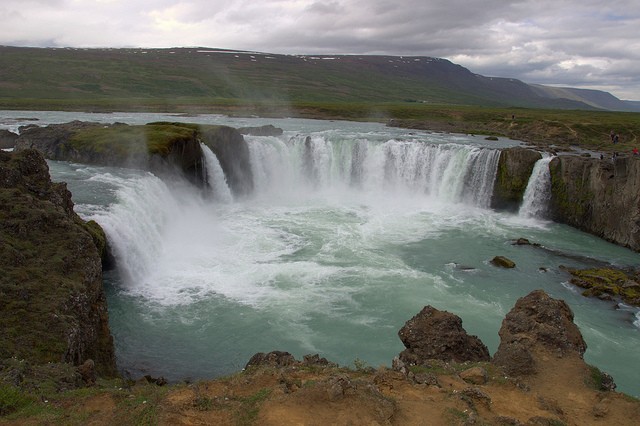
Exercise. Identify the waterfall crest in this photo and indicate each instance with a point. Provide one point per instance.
(447, 172)
(538, 192)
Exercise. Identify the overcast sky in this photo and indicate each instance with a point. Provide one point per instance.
(578, 43)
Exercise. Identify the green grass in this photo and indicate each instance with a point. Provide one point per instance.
(125, 141)
(250, 407)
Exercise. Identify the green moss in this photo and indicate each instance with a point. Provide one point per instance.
(607, 281)
(572, 202)
(122, 141)
(250, 407)
(98, 236)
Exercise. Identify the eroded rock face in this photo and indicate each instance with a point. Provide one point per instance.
(601, 197)
(232, 152)
(434, 334)
(537, 322)
(7, 139)
(53, 307)
(514, 169)
(120, 145)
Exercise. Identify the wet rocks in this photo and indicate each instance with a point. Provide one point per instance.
(232, 152)
(608, 284)
(514, 169)
(434, 334)
(503, 262)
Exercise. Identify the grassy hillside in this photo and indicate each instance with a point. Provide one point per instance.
(174, 78)
(418, 92)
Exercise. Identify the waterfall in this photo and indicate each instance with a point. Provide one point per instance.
(136, 223)
(447, 172)
(538, 193)
(215, 176)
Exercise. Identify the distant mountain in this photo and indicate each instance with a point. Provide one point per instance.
(594, 98)
(204, 75)
(633, 105)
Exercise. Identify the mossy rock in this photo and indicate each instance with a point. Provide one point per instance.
(608, 284)
(123, 141)
(503, 262)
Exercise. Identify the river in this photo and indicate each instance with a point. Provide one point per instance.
(344, 239)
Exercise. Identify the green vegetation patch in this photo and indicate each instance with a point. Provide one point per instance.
(123, 141)
(607, 283)
(250, 406)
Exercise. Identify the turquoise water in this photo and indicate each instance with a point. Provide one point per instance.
(319, 265)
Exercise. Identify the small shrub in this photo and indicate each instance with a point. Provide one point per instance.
(12, 400)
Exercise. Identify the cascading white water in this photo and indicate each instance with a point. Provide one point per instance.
(215, 176)
(538, 192)
(447, 172)
(136, 223)
(345, 238)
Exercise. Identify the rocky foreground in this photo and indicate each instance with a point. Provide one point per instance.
(443, 377)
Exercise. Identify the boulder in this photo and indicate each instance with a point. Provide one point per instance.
(475, 375)
(537, 323)
(434, 334)
(503, 262)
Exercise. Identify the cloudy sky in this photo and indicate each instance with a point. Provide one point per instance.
(578, 43)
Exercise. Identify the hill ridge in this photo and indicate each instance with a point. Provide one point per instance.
(203, 74)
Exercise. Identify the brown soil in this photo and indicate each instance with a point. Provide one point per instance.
(561, 393)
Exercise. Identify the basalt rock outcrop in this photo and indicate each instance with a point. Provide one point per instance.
(159, 147)
(514, 170)
(537, 324)
(601, 197)
(233, 154)
(52, 303)
(434, 334)
(266, 130)
(7, 139)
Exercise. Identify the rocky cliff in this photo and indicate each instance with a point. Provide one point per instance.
(514, 169)
(163, 148)
(7, 139)
(52, 303)
(601, 197)
(232, 152)
(159, 147)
